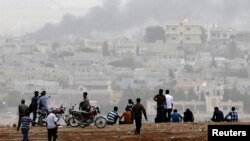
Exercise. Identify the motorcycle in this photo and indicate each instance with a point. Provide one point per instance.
(42, 114)
(84, 119)
(59, 112)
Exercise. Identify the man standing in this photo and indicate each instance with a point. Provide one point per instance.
(24, 122)
(22, 109)
(52, 126)
(137, 111)
(169, 105)
(33, 105)
(84, 105)
(160, 99)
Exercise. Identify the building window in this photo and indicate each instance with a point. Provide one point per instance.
(173, 28)
(188, 38)
(224, 35)
(173, 38)
(188, 29)
(181, 33)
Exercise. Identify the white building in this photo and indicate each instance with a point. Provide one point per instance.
(183, 34)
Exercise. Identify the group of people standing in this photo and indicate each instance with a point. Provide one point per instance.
(165, 104)
(37, 103)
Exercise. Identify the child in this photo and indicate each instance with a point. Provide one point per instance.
(25, 123)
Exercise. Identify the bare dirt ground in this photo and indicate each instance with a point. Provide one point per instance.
(149, 132)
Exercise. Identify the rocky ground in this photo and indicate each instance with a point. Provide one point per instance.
(150, 132)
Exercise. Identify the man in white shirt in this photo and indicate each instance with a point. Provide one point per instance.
(169, 105)
(52, 126)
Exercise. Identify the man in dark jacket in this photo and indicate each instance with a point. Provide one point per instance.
(218, 115)
(188, 116)
(137, 111)
(22, 109)
(33, 105)
(160, 100)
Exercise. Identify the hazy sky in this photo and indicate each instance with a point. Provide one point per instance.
(33, 14)
(114, 15)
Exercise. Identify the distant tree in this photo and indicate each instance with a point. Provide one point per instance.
(154, 33)
(179, 94)
(232, 94)
(232, 51)
(65, 53)
(133, 93)
(191, 95)
(171, 73)
(126, 62)
(189, 68)
(243, 73)
(213, 63)
(203, 35)
(202, 96)
(105, 50)
(56, 45)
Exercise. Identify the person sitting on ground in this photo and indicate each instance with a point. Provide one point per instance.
(188, 116)
(175, 116)
(127, 117)
(233, 115)
(217, 115)
(113, 116)
(85, 105)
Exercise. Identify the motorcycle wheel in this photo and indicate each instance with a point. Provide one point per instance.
(100, 122)
(73, 122)
(42, 120)
(66, 119)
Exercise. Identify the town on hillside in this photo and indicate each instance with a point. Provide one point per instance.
(203, 66)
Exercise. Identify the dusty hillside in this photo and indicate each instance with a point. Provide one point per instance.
(150, 132)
